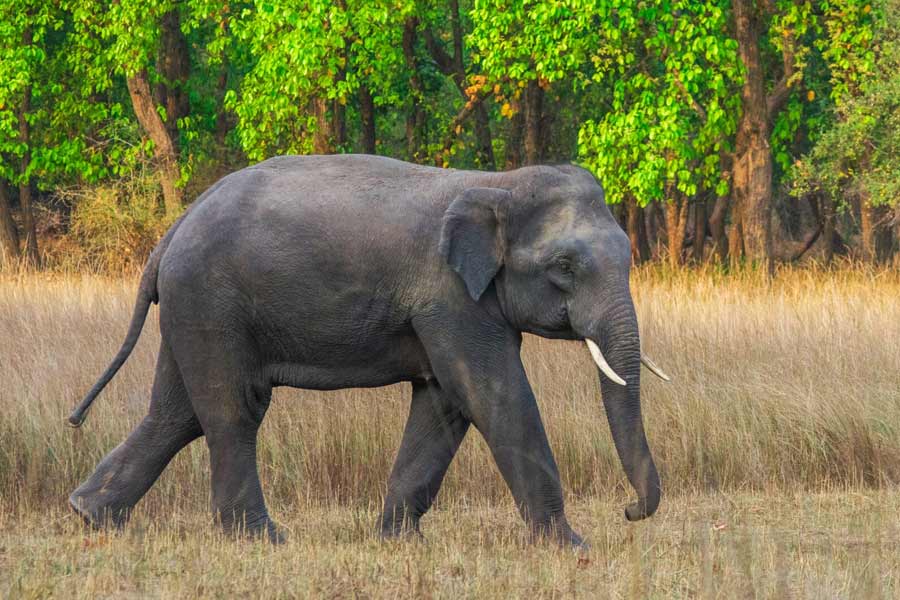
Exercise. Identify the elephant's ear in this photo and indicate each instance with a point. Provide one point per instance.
(473, 236)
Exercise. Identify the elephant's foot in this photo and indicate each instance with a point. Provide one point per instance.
(559, 533)
(400, 527)
(255, 528)
(99, 512)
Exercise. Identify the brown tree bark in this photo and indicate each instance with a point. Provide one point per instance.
(415, 119)
(735, 237)
(637, 233)
(322, 137)
(652, 229)
(32, 255)
(173, 63)
(717, 228)
(9, 235)
(699, 230)
(826, 213)
(163, 148)
(676, 223)
(222, 121)
(367, 120)
(752, 167)
(534, 110)
(877, 238)
(339, 115)
(338, 124)
(514, 158)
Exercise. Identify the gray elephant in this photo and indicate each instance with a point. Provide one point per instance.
(327, 272)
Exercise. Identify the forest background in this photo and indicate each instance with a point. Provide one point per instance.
(726, 131)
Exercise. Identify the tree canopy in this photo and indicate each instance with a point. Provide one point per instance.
(770, 126)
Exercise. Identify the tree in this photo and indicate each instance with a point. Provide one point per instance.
(856, 155)
(453, 65)
(672, 111)
(308, 63)
(524, 48)
(24, 62)
(142, 42)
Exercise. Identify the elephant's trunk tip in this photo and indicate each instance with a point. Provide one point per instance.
(644, 507)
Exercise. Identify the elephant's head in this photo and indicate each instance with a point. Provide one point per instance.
(560, 264)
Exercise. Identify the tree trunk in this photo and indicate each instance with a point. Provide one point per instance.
(699, 230)
(676, 223)
(534, 104)
(637, 233)
(735, 237)
(717, 228)
(484, 147)
(173, 64)
(32, 255)
(222, 124)
(339, 115)
(322, 138)
(514, 140)
(367, 120)
(9, 235)
(415, 119)
(338, 125)
(222, 121)
(453, 66)
(826, 212)
(163, 148)
(652, 230)
(877, 238)
(752, 167)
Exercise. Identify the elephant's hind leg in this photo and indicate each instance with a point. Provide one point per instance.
(434, 430)
(125, 474)
(230, 402)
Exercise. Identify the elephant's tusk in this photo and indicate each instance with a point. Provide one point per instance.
(645, 360)
(601, 362)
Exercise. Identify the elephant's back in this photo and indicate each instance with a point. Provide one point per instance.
(339, 222)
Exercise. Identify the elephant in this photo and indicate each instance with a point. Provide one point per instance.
(338, 271)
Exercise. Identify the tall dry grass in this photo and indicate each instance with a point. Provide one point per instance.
(787, 384)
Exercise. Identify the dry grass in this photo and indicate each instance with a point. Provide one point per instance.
(783, 425)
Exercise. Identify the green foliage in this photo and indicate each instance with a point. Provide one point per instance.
(674, 105)
(520, 40)
(322, 49)
(32, 63)
(859, 154)
(651, 90)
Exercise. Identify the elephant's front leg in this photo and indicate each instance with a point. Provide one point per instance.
(480, 365)
(434, 430)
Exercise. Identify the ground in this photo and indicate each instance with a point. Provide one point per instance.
(820, 545)
(778, 444)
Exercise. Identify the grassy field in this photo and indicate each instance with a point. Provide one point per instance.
(778, 444)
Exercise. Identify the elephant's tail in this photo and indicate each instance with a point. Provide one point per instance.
(134, 331)
(147, 294)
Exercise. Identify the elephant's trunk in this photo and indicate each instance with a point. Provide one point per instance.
(620, 347)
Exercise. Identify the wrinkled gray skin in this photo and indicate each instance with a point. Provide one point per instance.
(327, 272)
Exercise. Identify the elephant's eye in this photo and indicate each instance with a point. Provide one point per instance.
(565, 266)
(562, 274)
